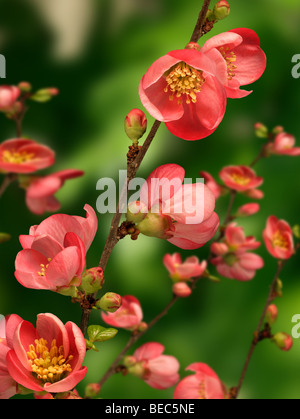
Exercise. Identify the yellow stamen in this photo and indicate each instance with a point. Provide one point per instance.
(240, 180)
(46, 367)
(230, 58)
(184, 80)
(202, 390)
(279, 240)
(11, 156)
(44, 268)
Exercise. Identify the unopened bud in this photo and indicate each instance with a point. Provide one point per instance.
(221, 10)
(44, 95)
(4, 237)
(142, 327)
(110, 302)
(278, 130)
(271, 314)
(135, 124)
(296, 231)
(283, 341)
(261, 131)
(92, 390)
(181, 289)
(129, 361)
(25, 86)
(136, 212)
(278, 288)
(92, 280)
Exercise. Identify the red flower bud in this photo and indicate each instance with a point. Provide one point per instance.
(135, 124)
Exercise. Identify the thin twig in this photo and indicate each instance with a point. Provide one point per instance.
(254, 343)
(8, 179)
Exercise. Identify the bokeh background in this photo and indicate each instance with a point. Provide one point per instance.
(95, 52)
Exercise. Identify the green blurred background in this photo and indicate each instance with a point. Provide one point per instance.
(95, 52)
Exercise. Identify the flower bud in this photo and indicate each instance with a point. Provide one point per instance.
(248, 209)
(92, 280)
(4, 237)
(283, 341)
(110, 302)
(136, 212)
(142, 327)
(271, 314)
(44, 95)
(181, 289)
(25, 86)
(278, 130)
(278, 288)
(296, 231)
(221, 10)
(129, 361)
(135, 124)
(92, 390)
(219, 249)
(261, 131)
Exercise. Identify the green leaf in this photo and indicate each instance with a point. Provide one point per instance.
(100, 333)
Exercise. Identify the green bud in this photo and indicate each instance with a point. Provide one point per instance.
(110, 302)
(135, 125)
(221, 10)
(296, 231)
(92, 390)
(261, 131)
(92, 280)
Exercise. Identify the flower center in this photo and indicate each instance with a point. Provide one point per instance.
(240, 180)
(43, 268)
(279, 240)
(49, 366)
(184, 80)
(230, 58)
(11, 156)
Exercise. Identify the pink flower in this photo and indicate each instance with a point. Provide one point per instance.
(232, 259)
(284, 145)
(40, 193)
(8, 97)
(278, 237)
(181, 289)
(182, 214)
(240, 178)
(242, 56)
(239, 266)
(216, 189)
(8, 386)
(182, 90)
(181, 271)
(248, 209)
(204, 385)
(54, 252)
(128, 316)
(24, 156)
(157, 370)
(48, 358)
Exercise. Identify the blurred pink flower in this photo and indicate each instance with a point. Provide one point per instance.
(40, 193)
(8, 97)
(278, 237)
(248, 209)
(240, 178)
(245, 61)
(180, 271)
(48, 358)
(182, 90)
(212, 184)
(183, 214)
(128, 316)
(205, 384)
(21, 155)
(157, 370)
(284, 145)
(54, 252)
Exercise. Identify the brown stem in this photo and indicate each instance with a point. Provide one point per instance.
(270, 299)
(9, 178)
(198, 31)
(132, 169)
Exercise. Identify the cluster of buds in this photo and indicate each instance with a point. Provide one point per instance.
(282, 340)
(279, 142)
